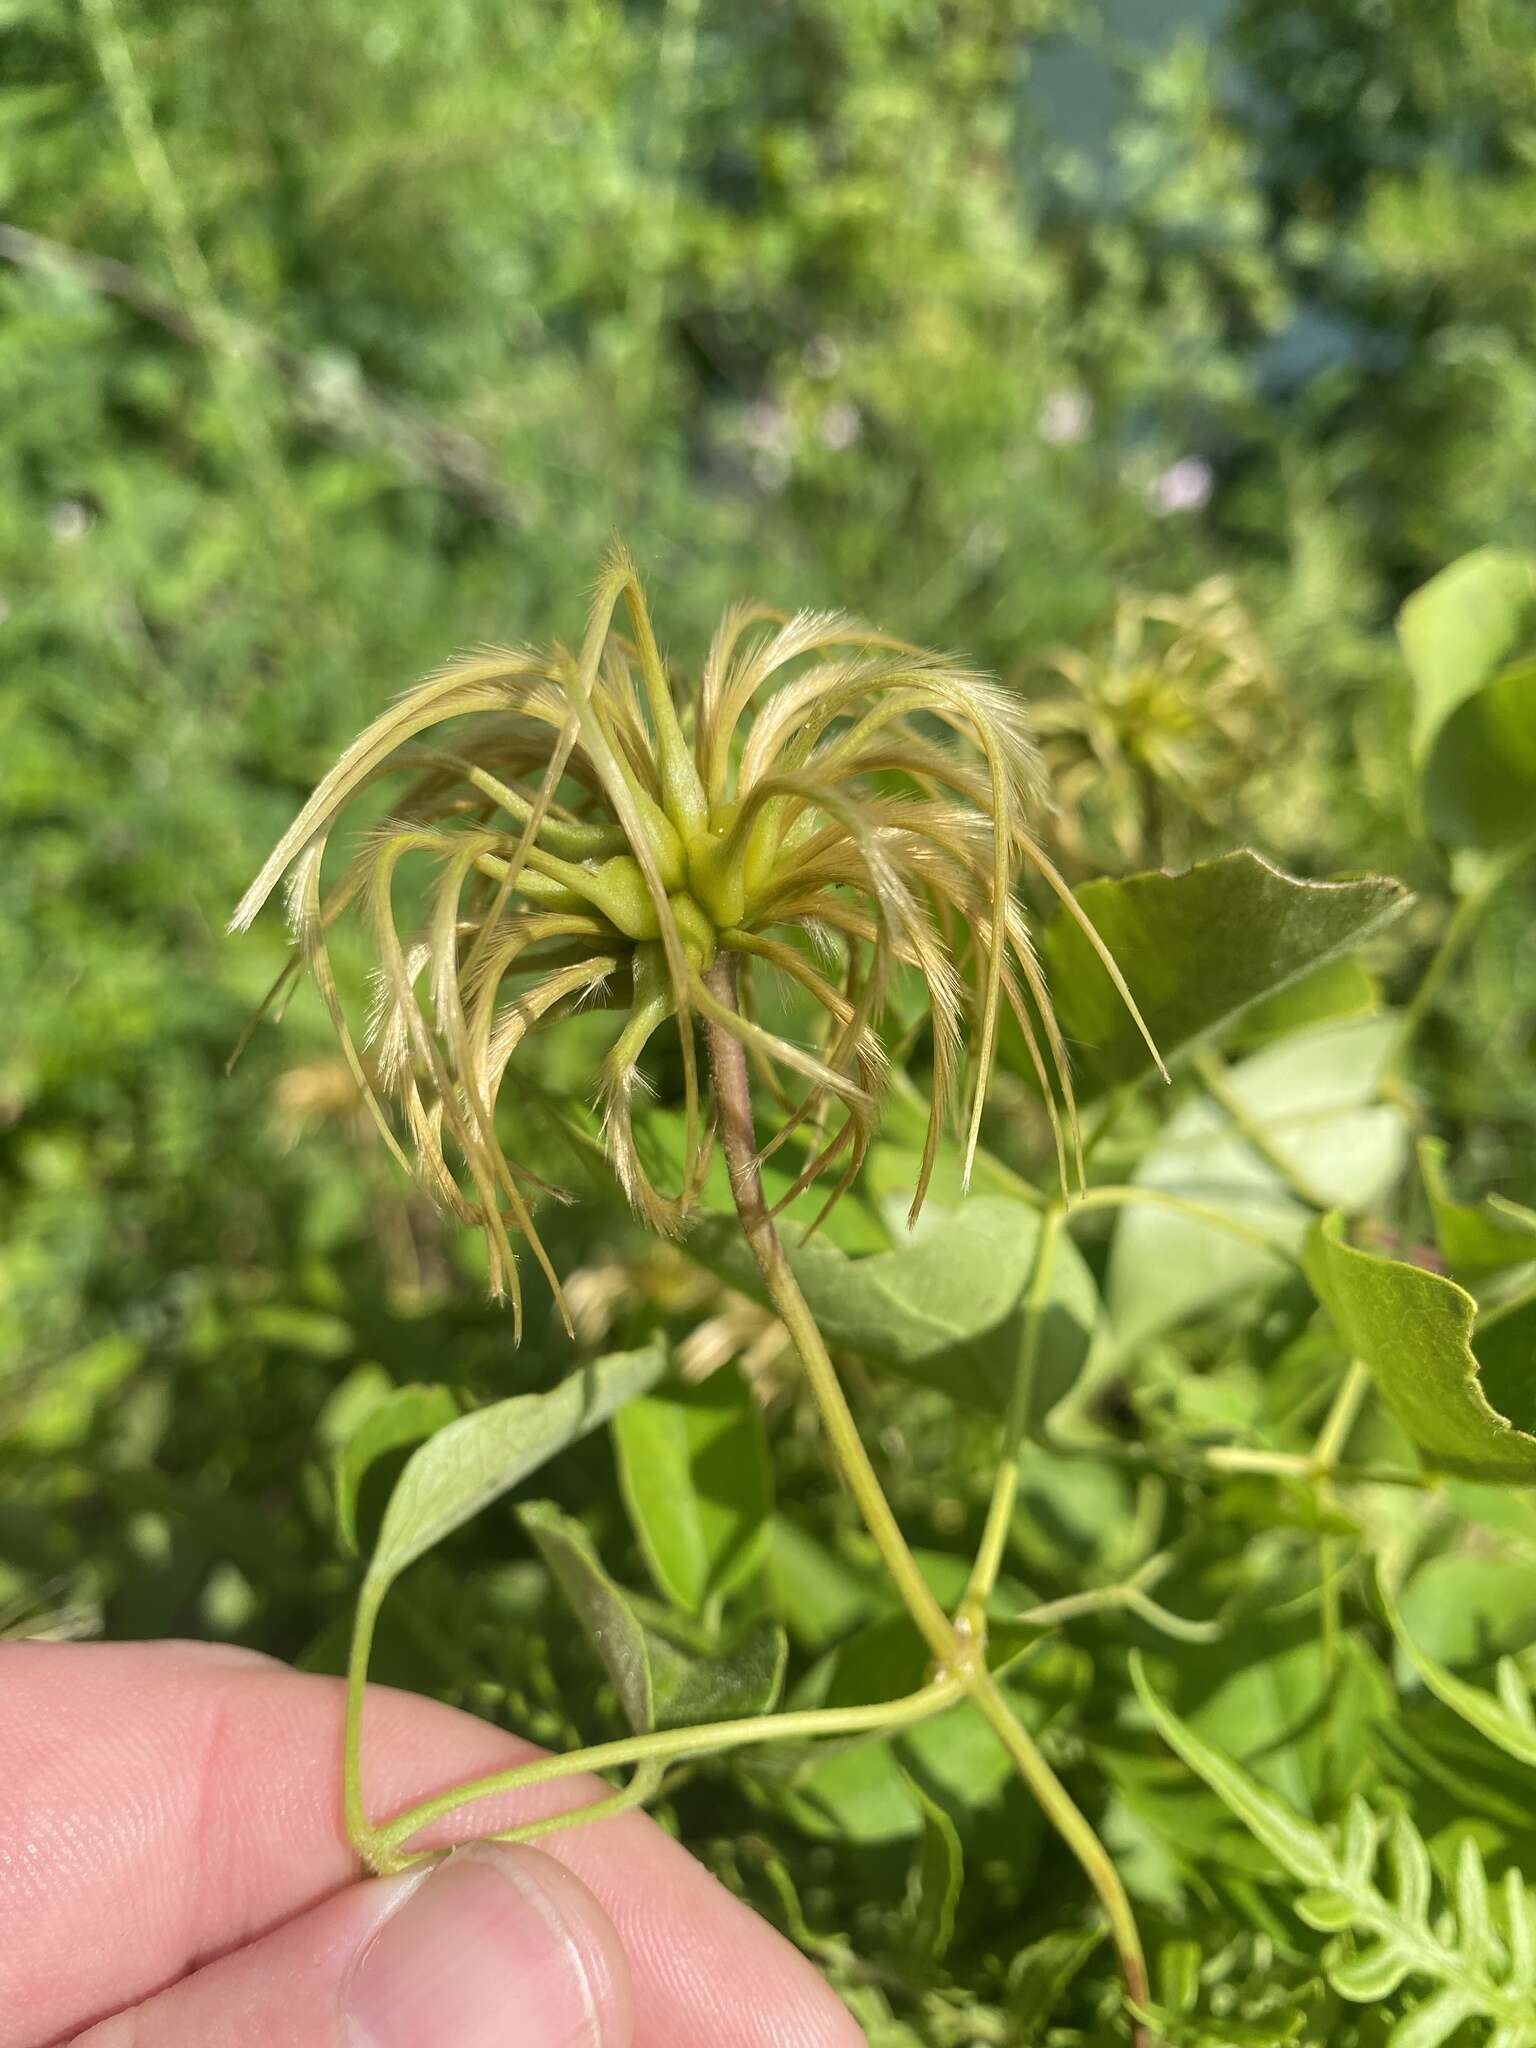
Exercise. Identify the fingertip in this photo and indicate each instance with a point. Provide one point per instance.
(228, 1656)
(493, 1931)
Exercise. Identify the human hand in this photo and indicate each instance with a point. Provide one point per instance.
(173, 1875)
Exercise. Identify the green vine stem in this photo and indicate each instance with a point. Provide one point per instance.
(1331, 1439)
(644, 1784)
(359, 1833)
(1115, 1196)
(958, 1646)
(1005, 1488)
(738, 1138)
(649, 1750)
(1134, 1596)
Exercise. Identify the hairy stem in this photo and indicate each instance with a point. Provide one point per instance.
(959, 1649)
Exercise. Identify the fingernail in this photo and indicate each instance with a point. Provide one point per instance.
(498, 1948)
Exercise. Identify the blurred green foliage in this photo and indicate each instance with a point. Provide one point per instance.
(334, 337)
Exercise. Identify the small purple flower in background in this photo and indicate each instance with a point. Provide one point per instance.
(841, 426)
(69, 520)
(1064, 418)
(1184, 486)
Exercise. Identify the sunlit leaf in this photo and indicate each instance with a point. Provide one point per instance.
(1398, 1937)
(483, 1455)
(862, 1788)
(1414, 1330)
(404, 1416)
(1297, 1845)
(1474, 729)
(1302, 1722)
(1506, 1719)
(1468, 1605)
(1342, 987)
(1475, 1237)
(940, 1310)
(661, 1682)
(693, 1463)
(1313, 1099)
(817, 1597)
(1196, 949)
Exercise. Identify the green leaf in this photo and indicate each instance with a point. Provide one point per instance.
(1474, 725)
(1372, 1975)
(1196, 948)
(60, 1414)
(1460, 628)
(604, 1610)
(1473, 1913)
(735, 1683)
(1299, 1720)
(1313, 1098)
(1479, 787)
(1468, 1605)
(1294, 1843)
(936, 1877)
(1042, 1974)
(1480, 1237)
(693, 1465)
(861, 1789)
(855, 1791)
(1340, 1894)
(1329, 1911)
(1435, 2021)
(1412, 1874)
(1344, 987)
(1178, 1977)
(1413, 1329)
(1506, 1721)
(942, 1308)
(660, 1683)
(404, 1416)
(817, 1597)
(480, 1456)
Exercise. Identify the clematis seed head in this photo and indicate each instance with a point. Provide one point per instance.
(836, 805)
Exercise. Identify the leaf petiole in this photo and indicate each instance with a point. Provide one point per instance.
(653, 1749)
